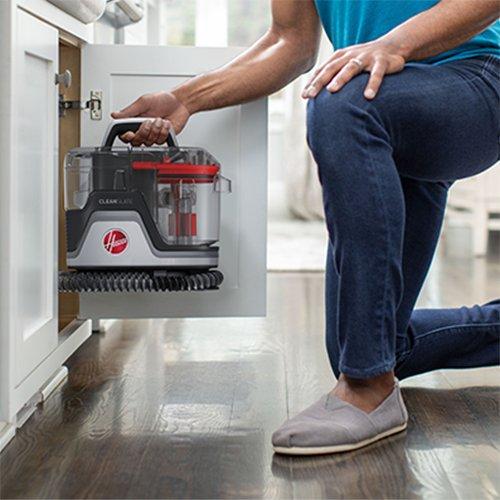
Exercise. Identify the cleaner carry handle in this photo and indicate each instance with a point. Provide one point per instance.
(119, 127)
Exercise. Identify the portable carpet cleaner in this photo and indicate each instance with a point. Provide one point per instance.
(142, 219)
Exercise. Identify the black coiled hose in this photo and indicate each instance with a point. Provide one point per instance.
(139, 281)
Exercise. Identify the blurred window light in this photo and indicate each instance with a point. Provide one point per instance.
(179, 22)
(236, 23)
(247, 21)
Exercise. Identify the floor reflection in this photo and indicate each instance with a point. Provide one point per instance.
(450, 449)
(381, 470)
(186, 409)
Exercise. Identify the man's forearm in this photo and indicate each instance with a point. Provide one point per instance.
(263, 69)
(443, 27)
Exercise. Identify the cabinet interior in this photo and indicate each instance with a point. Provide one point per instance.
(69, 137)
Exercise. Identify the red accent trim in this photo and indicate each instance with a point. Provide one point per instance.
(167, 168)
(169, 179)
(182, 224)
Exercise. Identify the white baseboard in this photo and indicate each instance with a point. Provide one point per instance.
(60, 376)
(7, 432)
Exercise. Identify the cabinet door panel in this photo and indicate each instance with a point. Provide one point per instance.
(237, 136)
(33, 189)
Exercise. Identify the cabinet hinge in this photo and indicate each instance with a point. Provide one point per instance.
(94, 105)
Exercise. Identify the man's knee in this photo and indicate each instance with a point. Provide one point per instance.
(334, 115)
(333, 110)
(335, 121)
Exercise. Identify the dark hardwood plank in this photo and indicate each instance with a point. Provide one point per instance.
(186, 409)
(447, 423)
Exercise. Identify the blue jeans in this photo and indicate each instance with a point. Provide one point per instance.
(385, 167)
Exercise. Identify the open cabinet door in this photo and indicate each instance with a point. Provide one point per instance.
(236, 136)
(33, 220)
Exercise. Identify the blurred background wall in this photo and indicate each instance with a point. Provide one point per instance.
(297, 238)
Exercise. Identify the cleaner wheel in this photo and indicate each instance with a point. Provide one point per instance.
(139, 281)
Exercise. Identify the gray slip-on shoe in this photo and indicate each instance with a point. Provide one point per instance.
(332, 425)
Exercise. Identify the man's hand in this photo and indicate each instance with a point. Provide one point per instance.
(444, 26)
(284, 52)
(167, 111)
(377, 58)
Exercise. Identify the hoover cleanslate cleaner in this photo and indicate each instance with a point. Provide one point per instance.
(142, 219)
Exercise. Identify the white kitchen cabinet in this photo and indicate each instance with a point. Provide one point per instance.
(33, 219)
(236, 136)
(32, 350)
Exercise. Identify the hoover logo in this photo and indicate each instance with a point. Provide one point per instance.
(115, 241)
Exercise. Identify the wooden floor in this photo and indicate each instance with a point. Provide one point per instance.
(186, 409)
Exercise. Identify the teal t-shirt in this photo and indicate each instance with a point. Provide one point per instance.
(348, 22)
